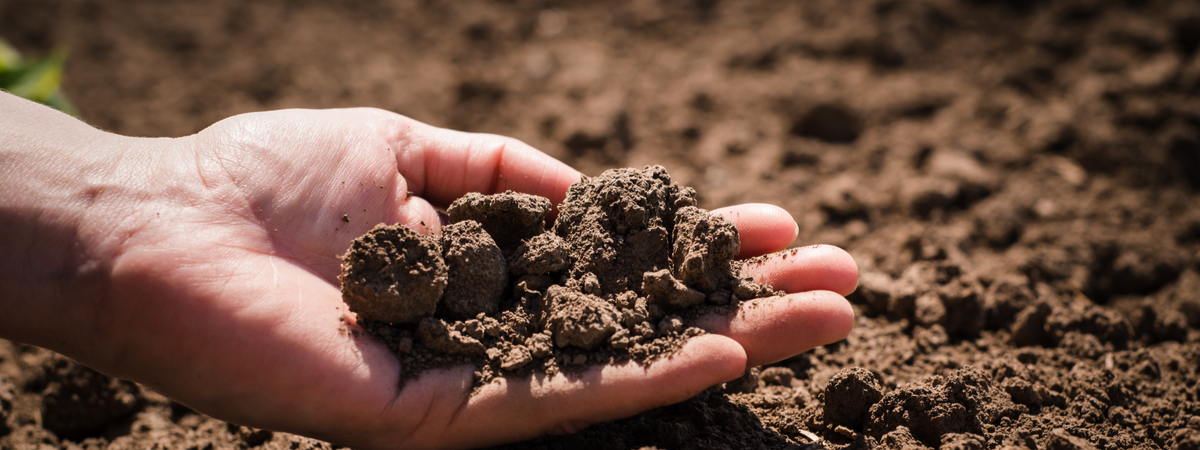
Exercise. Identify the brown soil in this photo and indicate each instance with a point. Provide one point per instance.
(1017, 180)
(630, 258)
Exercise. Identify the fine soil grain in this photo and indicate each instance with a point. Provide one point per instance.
(1019, 182)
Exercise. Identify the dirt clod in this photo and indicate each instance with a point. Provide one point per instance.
(703, 248)
(436, 335)
(579, 319)
(393, 274)
(509, 218)
(78, 402)
(476, 271)
(543, 254)
(617, 226)
(850, 395)
(664, 290)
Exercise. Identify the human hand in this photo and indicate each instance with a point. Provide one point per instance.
(220, 285)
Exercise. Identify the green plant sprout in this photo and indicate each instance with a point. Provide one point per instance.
(37, 79)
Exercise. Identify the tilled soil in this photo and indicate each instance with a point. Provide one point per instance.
(1017, 180)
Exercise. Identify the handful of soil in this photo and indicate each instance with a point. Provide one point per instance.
(629, 259)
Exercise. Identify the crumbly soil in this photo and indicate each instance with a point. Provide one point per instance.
(629, 260)
(1017, 180)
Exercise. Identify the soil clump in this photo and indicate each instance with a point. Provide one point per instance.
(628, 260)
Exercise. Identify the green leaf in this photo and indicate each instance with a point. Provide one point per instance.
(37, 79)
(8, 56)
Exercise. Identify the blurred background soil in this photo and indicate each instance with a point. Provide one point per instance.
(1017, 180)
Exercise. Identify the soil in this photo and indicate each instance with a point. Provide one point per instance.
(629, 259)
(1017, 180)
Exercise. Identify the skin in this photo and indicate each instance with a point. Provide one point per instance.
(205, 267)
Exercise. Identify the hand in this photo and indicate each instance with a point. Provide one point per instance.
(218, 265)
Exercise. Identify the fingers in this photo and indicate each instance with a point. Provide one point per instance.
(777, 328)
(817, 267)
(513, 409)
(417, 214)
(442, 165)
(761, 228)
(813, 314)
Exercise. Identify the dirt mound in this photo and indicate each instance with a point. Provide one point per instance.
(628, 259)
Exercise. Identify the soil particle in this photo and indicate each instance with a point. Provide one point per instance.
(476, 271)
(7, 395)
(850, 395)
(510, 218)
(516, 358)
(541, 255)
(254, 437)
(1029, 328)
(78, 402)
(436, 335)
(664, 290)
(900, 439)
(539, 345)
(1005, 298)
(393, 274)
(1059, 439)
(1106, 325)
(579, 319)
(955, 302)
(617, 225)
(874, 291)
(1187, 439)
(830, 123)
(777, 376)
(745, 384)
(703, 247)
(747, 289)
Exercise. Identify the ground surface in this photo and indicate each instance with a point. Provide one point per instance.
(1017, 180)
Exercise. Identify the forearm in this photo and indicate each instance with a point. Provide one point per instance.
(62, 196)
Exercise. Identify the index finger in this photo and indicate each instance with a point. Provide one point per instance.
(442, 165)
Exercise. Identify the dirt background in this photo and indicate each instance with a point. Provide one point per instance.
(1017, 180)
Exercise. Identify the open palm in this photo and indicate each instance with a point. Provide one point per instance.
(225, 297)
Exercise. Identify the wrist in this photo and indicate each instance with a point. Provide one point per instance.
(71, 198)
